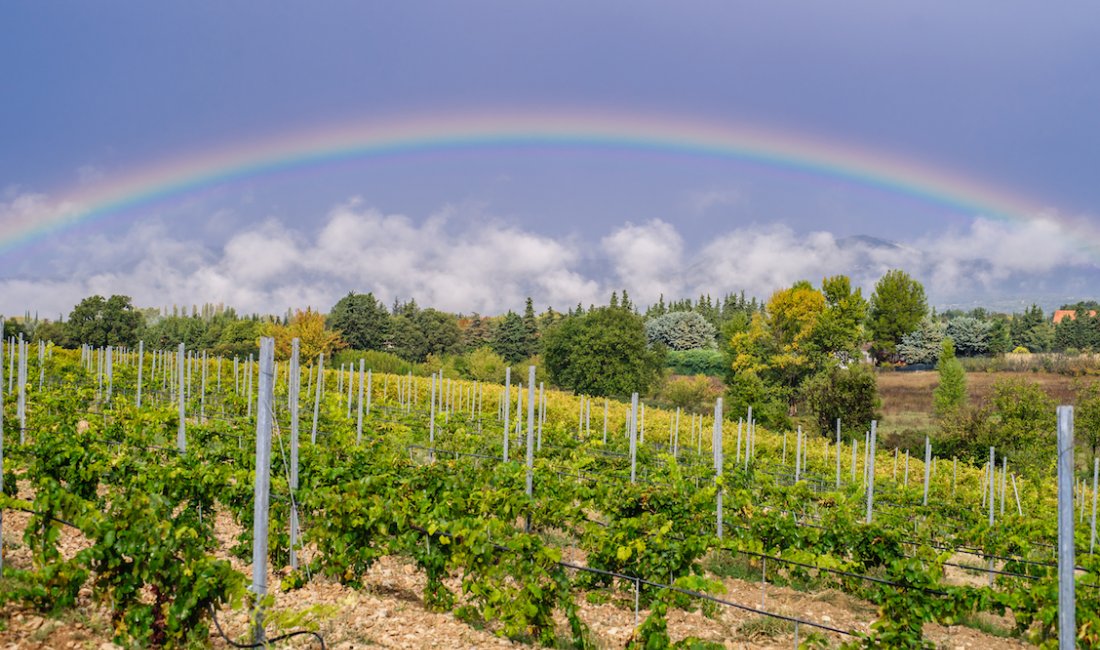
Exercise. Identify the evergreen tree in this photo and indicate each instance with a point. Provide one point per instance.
(625, 302)
(897, 307)
(362, 321)
(510, 338)
(530, 329)
(603, 352)
(950, 394)
(970, 335)
(1031, 330)
(477, 334)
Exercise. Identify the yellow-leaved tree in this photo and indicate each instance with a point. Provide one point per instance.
(309, 328)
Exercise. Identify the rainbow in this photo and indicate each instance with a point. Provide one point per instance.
(588, 129)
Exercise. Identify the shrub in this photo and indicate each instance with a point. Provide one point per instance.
(690, 393)
(697, 362)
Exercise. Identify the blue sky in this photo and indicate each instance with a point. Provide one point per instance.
(1004, 94)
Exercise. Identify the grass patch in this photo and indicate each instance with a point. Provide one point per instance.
(985, 624)
(731, 565)
(844, 601)
(764, 627)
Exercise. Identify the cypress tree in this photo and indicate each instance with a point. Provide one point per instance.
(950, 394)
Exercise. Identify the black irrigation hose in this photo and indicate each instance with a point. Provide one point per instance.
(781, 560)
(881, 581)
(266, 642)
(697, 594)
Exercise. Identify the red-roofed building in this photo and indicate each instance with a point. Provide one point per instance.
(1061, 314)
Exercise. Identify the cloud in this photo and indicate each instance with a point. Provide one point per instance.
(461, 261)
(646, 259)
(89, 174)
(703, 200)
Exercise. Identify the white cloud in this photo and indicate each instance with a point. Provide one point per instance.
(647, 259)
(703, 200)
(461, 262)
(89, 174)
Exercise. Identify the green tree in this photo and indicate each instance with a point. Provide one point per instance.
(170, 331)
(1022, 425)
(848, 394)
(1000, 334)
(680, 330)
(897, 307)
(483, 364)
(362, 320)
(1032, 330)
(239, 338)
(476, 334)
(689, 393)
(970, 334)
(531, 328)
(839, 329)
(405, 338)
(950, 394)
(510, 338)
(98, 322)
(602, 352)
(440, 331)
(924, 344)
(770, 402)
(51, 332)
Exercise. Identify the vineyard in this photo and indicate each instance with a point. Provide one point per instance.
(131, 486)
